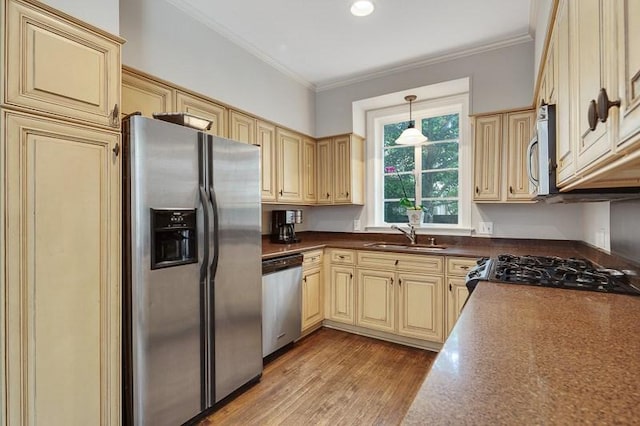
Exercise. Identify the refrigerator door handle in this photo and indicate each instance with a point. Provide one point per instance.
(207, 218)
(216, 243)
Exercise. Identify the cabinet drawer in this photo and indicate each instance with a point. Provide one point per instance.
(401, 262)
(312, 259)
(459, 266)
(346, 257)
(60, 67)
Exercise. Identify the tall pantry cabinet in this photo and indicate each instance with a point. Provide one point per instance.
(59, 219)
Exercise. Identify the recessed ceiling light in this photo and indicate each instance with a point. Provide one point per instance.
(362, 7)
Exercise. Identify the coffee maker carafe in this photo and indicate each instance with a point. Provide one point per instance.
(283, 226)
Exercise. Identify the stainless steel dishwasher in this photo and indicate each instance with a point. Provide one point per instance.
(281, 302)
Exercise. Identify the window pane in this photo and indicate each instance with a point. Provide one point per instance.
(393, 131)
(441, 128)
(440, 211)
(440, 184)
(394, 213)
(393, 185)
(440, 156)
(401, 159)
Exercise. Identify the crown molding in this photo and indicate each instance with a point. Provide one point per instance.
(240, 42)
(332, 84)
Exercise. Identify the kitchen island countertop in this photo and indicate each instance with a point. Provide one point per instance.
(529, 355)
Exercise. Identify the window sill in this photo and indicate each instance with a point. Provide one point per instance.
(439, 230)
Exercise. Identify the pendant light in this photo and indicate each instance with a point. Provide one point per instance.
(411, 135)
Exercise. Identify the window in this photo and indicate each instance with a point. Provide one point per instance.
(436, 175)
(427, 174)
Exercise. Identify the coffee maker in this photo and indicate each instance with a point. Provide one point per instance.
(282, 226)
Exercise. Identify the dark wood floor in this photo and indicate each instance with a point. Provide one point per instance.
(332, 378)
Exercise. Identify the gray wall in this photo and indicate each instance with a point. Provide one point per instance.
(500, 79)
(100, 13)
(165, 42)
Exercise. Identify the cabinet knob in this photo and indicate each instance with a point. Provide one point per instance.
(391, 281)
(396, 262)
(510, 189)
(592, 115)
(305, 279)
(116, 149)
(115, 116)
(450, 288)
(347, 193)
(477, 190)
(328, 195)
(400, 282)
(281, 192)
(350, 276)
(604, 104)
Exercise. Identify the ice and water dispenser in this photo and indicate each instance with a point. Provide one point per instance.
(173, 237)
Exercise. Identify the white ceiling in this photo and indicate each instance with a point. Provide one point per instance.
(321, 44)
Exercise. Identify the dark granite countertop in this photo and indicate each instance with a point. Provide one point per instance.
(532, 355)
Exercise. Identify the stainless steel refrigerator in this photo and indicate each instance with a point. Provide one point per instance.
(192, 275)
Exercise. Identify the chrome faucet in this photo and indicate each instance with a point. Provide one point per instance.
(410, 234)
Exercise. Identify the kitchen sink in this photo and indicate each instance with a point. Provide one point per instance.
(412, 247)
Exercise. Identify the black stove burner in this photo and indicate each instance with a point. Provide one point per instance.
(551, 271)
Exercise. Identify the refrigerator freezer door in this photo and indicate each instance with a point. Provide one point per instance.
(165, 302)
(236, 264)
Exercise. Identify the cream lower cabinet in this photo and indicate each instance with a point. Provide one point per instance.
(401, 294)
(457, 293)
(312, 291)
(340, 301)
(60, 281)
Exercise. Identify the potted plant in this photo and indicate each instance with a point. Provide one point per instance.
(415, 212)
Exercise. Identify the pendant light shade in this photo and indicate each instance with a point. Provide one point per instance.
(411, 135)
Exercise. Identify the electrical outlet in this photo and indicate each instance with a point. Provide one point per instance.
(356, 225)
(485, 228)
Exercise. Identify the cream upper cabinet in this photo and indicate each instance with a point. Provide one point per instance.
(289, 152)
(500, 156)
(58, 66)
(203, 108)
(341, 303)
(564, 132)
(266, 138)
(375, 290)
(324, 152)
(140, 94)
(628, 43)
(593, 65)
(242, 128)
(486, 158)
(60, 287)
(340, 173)
(420, 306)
(309, 195)
(518, 133)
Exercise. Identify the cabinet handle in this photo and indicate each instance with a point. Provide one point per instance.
(510, 189)
(305, 279)
(450, 288)
(115, 116)
(328, 195)
(400, 282)
(604, 104)
(116, 149)
(281, 192)
(391, 281)
(396, 262)
(340, 257)
(464, 268)
(350, 276)
(592, 115)
(347, 193)
(477, 190)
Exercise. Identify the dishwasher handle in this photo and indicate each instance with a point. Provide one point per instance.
(280, 263)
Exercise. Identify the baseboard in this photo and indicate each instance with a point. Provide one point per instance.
(407, 341)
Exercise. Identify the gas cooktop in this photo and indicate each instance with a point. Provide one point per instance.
(550, 271)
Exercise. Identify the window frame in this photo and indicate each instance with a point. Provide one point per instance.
(375, 121)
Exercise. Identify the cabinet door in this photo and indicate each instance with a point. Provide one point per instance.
(61, 280)
(59, 67)
(312, 301)
(486, 155)
(203, 108)
(375, 299)
(588, 32)
(564, 131)
(519, 129)
(325, 171)
(421, 307)
(289, 166)
(341, 301)
(342, 169)
(309, 169)
(456, 296)
(242, 128)
(146, 96)
(266, 138)
(628, 19)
